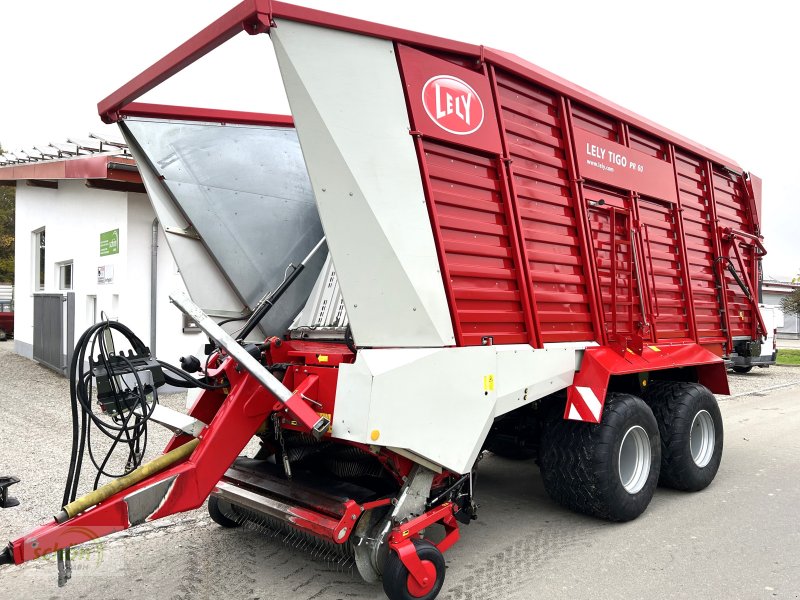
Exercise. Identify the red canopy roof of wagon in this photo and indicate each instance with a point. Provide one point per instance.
(257, 16)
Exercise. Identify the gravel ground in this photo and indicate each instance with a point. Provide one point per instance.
(193, 554)
(36, 437)
(758, 381)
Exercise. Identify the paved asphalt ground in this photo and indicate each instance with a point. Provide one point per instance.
(738, 539)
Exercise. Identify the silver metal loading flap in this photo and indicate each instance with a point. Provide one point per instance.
(237, 208)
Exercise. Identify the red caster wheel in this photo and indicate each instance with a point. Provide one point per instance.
(399, 584)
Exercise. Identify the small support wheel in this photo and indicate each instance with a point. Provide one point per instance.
(399, 584)
(219, 511)
(742, 370)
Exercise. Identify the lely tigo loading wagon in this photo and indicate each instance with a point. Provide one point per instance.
(464, 252)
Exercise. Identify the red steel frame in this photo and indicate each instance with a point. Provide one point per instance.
(732, 237)
(528, 297)
(638, 241)
(684, 255)
(189, 113)
(400, 541)
(718, 267)
(237, 418)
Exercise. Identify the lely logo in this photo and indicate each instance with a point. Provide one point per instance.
(452, 104)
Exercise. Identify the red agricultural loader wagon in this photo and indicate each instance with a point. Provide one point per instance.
(463, 252)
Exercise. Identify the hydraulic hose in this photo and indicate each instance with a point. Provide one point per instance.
(113, 487)
(269, 301)
(124, 389)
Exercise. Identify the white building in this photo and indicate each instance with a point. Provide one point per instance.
(773, 292)
(84, 226)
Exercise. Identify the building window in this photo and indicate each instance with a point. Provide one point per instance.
(65, 275)
(38, 260)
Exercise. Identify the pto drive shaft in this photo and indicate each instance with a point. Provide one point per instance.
(113, 487)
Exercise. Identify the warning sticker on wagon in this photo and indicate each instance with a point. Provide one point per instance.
(605, 161)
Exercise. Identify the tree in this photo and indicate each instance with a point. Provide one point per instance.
(7, 194)
(791, 304)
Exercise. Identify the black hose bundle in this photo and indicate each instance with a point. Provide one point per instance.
(125, 427)
(125, 412)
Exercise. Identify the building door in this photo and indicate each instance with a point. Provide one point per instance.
(54, 330)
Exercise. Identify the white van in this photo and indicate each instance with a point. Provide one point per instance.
(750, 354)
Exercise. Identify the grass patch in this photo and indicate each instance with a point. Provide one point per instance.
(788, 357)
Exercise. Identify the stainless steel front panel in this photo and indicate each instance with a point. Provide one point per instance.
(245, 197)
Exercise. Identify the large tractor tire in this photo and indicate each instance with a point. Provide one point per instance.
(608, 470)
(690, 426)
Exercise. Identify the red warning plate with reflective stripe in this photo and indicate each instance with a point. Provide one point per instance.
(585, 405)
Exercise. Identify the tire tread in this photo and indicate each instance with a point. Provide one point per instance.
(670, 401)
(574, 462)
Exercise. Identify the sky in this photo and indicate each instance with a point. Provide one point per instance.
(723, 74)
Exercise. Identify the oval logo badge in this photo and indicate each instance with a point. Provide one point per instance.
(452, 104)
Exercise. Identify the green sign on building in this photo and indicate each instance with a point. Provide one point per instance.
(109, 242)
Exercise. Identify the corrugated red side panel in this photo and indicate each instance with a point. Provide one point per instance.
(732, 212)
(647, 144)
(611, 247)
(595, 122)
(475, 241)
(665, 267)
(530, 237)
(698, 226)
(664, 270)
(545, 206)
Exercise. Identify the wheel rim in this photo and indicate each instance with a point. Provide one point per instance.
(417, 590)
(701, 438)
(634, 459)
